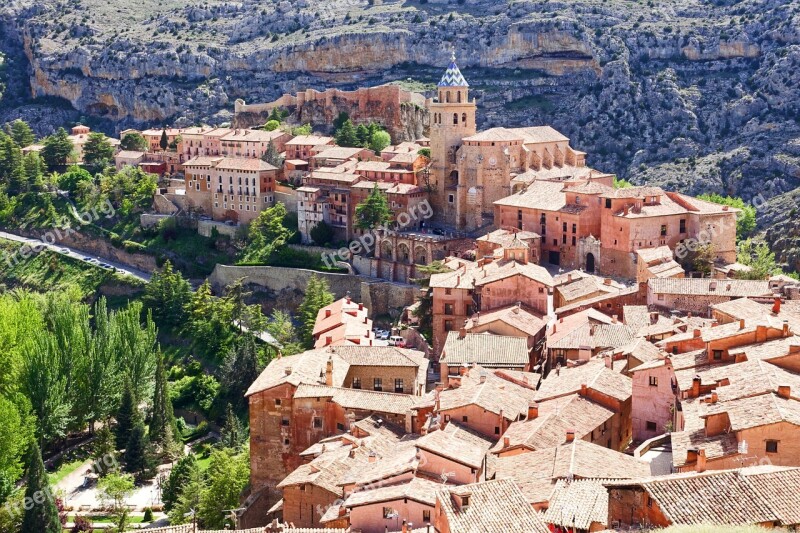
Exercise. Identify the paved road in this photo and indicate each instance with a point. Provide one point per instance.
(89, 259)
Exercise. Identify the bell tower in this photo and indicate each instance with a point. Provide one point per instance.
(452, 117)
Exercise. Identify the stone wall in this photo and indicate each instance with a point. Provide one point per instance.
(287, 286)
(149, 220)
(204, 228)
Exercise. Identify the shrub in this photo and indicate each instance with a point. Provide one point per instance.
(81, 524)
(148, 515)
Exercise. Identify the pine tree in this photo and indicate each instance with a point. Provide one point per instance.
(179, 477)
(134, 142)
(164, 142)
(163, 430)
(41, 517)
(97, 152)
(103, 450)
(127, 415)
(317, 296)
(57, 150)
(232, 434)
(21, 132)
(239, 372)
(167, 295)
(347, 135)
(374, 211)
(272, 156)
(363, 135)
(138, 459)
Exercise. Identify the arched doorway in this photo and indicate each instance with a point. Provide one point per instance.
(590, 262)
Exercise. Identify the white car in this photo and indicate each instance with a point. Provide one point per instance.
(384, 335)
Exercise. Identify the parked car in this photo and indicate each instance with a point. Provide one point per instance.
(398, 341)
(64, 251)
(384, 335)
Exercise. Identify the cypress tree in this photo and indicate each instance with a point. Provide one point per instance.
(137, 451)
(164, 141)
(162, 425)
(232, 434)
(127, 415)
(41, 517)
(178, 478)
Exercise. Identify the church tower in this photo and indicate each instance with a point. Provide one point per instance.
(452, 117)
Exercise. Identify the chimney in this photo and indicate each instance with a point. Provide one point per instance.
(609, 361)
(584, 388)
(463, 370)
(696, 386)
(697, 333)
(327, 313)
(506, 442)
(776, 305)
(626, 209)
(592, 330)
(533, 410)
(784, 391)
(714, 397)
(701, 460)
(458, 280)
(614, 319)
(554, 327)
(329, 372)
(785, 328)
(360, 307)
(328, 340)
(570, 435)
(741, 323)
(372, 457)
(653, 317)
(462, 332)
(288, 371)
(483, 377)
(607, 281)
(794, 348)
(348, 297)
(691, 455)
(569, 277)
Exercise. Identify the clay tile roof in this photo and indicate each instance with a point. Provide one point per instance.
(338, 152)
(485, 349)
(494, 507)
(545, 195)
(495, 134)
(381, 402)
(578, 504)
(589, 187)
(654, 254)
(594, 374)
(733, 288)
(540, 134)
(595, 336)
(707, 499)
(232, 163)
(202, 161)
(253, 135)
(456, 443)
(499, 270)
(634, 192)
(518, 317)
(309, 140)
(129, 154)
(417, 489)
(495, 395)
(780, 489)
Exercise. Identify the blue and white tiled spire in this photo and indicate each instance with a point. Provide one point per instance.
(453, 77)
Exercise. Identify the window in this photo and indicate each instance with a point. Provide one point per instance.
(426, 516)
(339, 426)
(450, 198)
(573, 240)
(675, 350)
(303, 487)
(388, 512)
(608, 203)
(772, 446)
(285, 442)
(455, 119)
(448, 309)
(649, 500)
(565, 227)
(356, 383)
(448, 325)
(683, 225)
(555, 242)
(465, 418)
(717, 355)
(653, 381)
(574, 228)
(661, 297)
(277, 402)
(398, 385)
(651, 426)
(317, 422)
(497, 430)
(285, 422)
(663, 230)
(563, 239)
(377, 384)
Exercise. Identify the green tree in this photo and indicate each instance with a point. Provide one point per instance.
(305, 129)
(278, 114)
(58, 149)
(759, 258)
(41, 518)
(239, 371)
(134, 142)
(104, 450)
(272, 156)
(321, 233)
(163, 430)
(188, 497)
(267, 234)
(232, 434)
(16, 435)
(114, 489)
(272, 125)
(33, 168)
(374, 211)
(362, 133)
(181, 474)
(282, 329)
(138, 457)
(425, 152)
(347, 135)
(318, 295)
(45, 384)
(620, 183)
(21, 132)
(379, 141)
(127, 415)
(167, 296)
(209, 323)
(11, 172)
(340, 119)
(98, 153)
(136, 348)
(228, 474)
(745, 219)
(73, 177)
(164, 141)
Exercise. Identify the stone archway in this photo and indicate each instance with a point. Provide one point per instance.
(403, 253)
(386, 250)
(420, 255)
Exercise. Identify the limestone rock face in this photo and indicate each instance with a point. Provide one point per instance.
(695, 95)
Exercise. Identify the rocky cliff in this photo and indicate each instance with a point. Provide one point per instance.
(696, 95)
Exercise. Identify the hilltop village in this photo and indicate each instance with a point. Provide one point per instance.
(577, 378)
